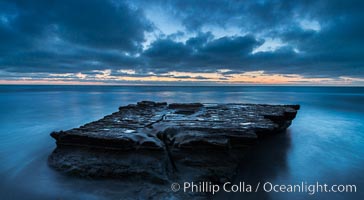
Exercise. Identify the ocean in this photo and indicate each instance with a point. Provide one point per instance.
(324, 144)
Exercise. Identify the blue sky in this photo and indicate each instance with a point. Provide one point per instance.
(182, 42)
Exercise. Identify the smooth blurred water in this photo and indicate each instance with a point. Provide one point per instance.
(325, 142)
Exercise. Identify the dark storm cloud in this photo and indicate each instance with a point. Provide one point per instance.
(55, 35)
(336, 49)
(94, 23)
(202, 53)
(319, 38)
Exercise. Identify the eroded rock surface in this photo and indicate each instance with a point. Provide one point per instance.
(158, 143)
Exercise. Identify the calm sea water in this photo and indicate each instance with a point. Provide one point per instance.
(325, 142)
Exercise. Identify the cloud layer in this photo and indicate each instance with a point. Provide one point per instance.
(208, 41)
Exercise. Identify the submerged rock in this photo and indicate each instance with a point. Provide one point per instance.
(158, 144)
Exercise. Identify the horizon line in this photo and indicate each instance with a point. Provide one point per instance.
(176, 85)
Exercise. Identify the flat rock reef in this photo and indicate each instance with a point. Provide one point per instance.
(150, 145)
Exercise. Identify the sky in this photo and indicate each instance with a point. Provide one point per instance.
(222, 42)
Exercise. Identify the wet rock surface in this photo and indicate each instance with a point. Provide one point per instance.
(153, 144)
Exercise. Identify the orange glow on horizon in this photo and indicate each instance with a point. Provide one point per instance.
(246, 78)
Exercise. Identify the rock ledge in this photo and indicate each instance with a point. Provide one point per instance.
(163, 143)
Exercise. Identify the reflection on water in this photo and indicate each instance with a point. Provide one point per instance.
(325, 142)
(265, 162)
